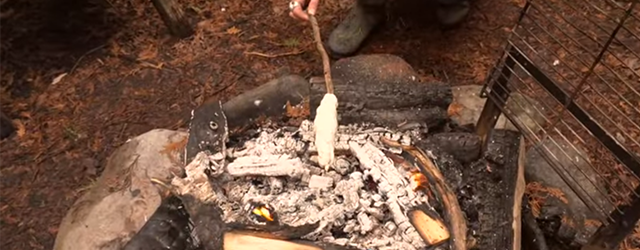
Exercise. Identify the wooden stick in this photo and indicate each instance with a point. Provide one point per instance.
(453, 212)
(449, 199)
(323, 53)
(292, 53)
(431, 229)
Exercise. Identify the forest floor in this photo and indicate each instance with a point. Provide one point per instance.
(81, 77)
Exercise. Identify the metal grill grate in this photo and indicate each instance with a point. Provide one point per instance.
(573, 66)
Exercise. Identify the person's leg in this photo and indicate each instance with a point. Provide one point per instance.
(364, 16)
(452, 12)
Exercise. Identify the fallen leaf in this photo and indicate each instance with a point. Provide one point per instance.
(174, 147)
(233, 30)
(301, 110)
(58, 78)
(20, 129)
(454, 109)
(148, 53)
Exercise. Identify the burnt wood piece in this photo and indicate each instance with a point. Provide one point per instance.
(448, 165)
(207, 222)
(464, 147)
(173, 16)
(387, 82)
(213, 234)
(451, 208)
(168, 228)
(267, 100)
(208, 130)
(452, 212)
(533, 236)
(384, 95)
(392, 118)
(429, 225)
(6, 126)
(495, 187)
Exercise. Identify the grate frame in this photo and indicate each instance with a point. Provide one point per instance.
(566, 62)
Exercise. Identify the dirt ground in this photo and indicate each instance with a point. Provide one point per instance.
(125, 75)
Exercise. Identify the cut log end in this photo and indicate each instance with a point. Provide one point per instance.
(432, 230)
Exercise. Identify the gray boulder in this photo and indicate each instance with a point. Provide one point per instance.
(123, 198)
(469, 104)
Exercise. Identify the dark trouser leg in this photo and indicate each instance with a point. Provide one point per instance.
(364, 16)
(452, 12)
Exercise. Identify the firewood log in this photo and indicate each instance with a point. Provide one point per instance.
(429, 226)
(497, 180)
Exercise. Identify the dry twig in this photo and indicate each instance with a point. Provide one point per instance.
(292, 53)
(83, 56)
(325, 57)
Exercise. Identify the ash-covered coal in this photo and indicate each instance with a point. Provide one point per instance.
(361, 201)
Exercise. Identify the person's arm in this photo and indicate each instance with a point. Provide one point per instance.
(297, 11)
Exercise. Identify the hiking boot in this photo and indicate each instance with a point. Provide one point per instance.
(450, 14)
(363, 17)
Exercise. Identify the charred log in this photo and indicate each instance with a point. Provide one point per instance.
(168, 228)
(387, 82)
(429, 225)
(384, 96)
(464, 147)
(497, 181)
(392, 118)
(268, 100)
(532, 233)
(443, 192)
(358, 103)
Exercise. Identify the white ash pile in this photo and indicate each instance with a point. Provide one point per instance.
(362, 201)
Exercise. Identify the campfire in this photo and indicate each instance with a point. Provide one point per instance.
(372, 197)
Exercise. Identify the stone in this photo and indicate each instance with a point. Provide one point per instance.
(390, 228)
(578, 170)
(276, 185)
(469, 104)
(342, 166)
(376, 197)
(317, 181)
(375, 69)
(341, 241)
(115, 209)
(366, 224)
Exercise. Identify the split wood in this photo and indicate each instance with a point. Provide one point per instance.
(323, 53)
(453, 212)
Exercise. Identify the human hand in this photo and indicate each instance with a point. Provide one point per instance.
(296, 9)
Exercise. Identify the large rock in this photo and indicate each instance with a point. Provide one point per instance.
(375, 69)
(468, 105)
(577, 223)
(113, 210)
